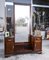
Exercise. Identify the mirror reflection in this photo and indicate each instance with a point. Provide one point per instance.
(22, 18)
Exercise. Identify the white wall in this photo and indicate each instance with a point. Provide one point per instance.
(2, 22)
(2, 13)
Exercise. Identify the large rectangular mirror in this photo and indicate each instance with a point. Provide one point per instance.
(22, 19)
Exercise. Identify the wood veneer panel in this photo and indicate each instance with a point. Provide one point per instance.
(38, 44)
(22, 47)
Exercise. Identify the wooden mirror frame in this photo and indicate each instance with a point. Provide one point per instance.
(14, 18)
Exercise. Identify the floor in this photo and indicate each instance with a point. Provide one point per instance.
(31, 56)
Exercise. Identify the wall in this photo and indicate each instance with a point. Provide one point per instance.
(2, 13)
(9, 13)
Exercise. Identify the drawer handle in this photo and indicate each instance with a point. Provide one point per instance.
(35, 45)
(13, 47)
(9, 40)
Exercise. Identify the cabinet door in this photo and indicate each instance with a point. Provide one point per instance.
(37, 44)
(9, 46)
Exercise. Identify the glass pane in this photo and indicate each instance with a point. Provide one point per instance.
(22, 18)
(40, 20)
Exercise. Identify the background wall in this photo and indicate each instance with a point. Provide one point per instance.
(9, 13)
(2, 13)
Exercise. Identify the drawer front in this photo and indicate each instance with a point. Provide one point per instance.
(38, 38)
(9, 42)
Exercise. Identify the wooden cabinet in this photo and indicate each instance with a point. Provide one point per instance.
(36, 43)
(9, 46)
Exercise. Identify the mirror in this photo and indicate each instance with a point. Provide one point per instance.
(22, 18)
